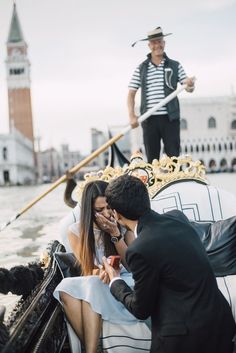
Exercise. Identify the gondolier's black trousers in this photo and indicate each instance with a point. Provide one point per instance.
(157, 128)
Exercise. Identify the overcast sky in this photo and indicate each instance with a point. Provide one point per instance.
(82, 60)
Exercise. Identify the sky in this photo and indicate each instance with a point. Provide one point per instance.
(82, 60)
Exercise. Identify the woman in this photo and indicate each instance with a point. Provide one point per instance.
(86, 300)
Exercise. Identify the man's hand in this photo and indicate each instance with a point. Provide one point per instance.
(109, 273)
(189, 81)
(133, 121)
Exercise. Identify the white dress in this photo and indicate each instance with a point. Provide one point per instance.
(92, 290)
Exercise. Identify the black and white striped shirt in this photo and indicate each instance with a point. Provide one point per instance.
(155, 84)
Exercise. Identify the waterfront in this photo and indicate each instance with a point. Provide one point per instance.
(25, 238)
(28, 236)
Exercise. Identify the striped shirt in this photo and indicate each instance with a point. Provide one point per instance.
(155, 84)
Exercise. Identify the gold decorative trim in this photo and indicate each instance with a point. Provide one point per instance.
(107, 175)
(156, 176)
(173, 169)
(45, 259)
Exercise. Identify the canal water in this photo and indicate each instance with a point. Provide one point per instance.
(27, 237)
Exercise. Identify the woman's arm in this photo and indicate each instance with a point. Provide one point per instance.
(121, 246)
(129, 237)
(74, 242)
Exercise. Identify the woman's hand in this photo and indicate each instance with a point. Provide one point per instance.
(104, 277)
(107, 225)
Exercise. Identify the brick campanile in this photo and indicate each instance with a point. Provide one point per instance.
(18, 80)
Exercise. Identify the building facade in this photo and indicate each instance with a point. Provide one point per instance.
(68, 158)
(208, 131)
(98, 138)
(16, 159)
(52, 164)
(49, 164)
(128, 144)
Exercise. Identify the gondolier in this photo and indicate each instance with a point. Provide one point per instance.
(158, 77)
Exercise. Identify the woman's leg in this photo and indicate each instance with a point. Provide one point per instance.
(73, 311)
(92, 327)
(85, 322)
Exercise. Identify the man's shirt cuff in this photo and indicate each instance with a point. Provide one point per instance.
(113, 280)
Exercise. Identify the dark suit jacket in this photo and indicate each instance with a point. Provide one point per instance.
(175, 285)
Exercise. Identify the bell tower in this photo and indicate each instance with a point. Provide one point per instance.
(18, 80)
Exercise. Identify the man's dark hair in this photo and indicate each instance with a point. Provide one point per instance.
(128, 196)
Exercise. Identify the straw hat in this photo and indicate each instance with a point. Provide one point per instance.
(152, 35)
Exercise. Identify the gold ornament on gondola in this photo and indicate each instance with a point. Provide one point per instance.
(156, 175)
(45, 259)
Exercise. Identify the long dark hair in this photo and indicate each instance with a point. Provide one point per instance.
(86, 246)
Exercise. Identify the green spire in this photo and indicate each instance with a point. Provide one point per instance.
(15, 33)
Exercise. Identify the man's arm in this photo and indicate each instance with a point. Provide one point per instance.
(182, 78)
(131, 104)
(141, 300)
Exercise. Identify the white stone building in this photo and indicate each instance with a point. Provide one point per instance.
(49, 165)
(16, 159)
(68, 159)
(208, 131)
(129, 143)
(52, 164)
(98, 138)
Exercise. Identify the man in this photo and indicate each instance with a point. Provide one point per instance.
(174, 282)
(157, 77)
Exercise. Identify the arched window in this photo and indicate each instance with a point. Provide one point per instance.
(233, 164)
(226, 147)
(223, 165)
(197, 148)
(4, 153)
(208, 148)
(183, 124)
(214, 147)
(219, 147)
(212, 165)
(211, 123)
(191, 149)
(231, 146)
(203, 148)
(233, 125)
(186, 149)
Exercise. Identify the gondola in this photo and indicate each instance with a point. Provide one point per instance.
(37, 323)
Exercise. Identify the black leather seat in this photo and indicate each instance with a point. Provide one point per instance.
(219, 240)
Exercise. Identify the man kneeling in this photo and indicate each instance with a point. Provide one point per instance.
(174, 282)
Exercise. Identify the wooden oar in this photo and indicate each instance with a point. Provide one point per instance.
(93, 155)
